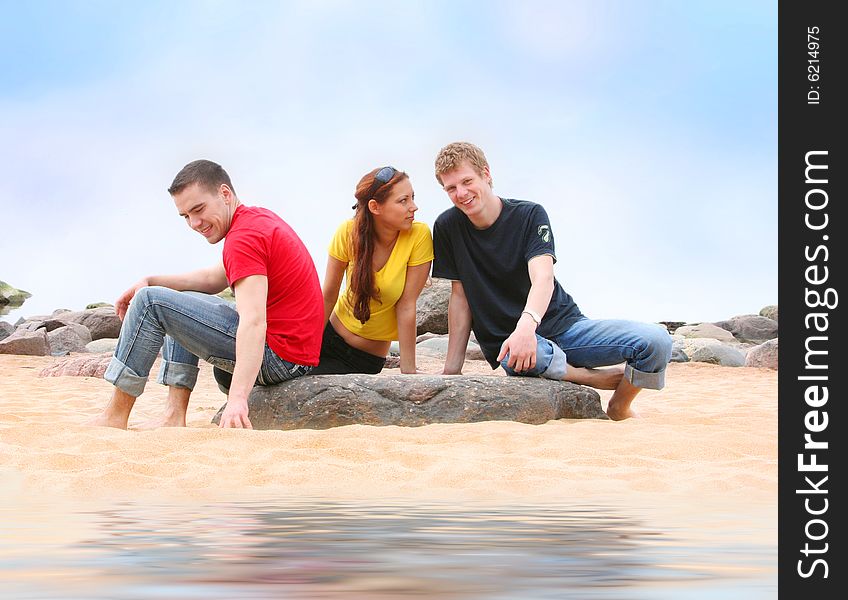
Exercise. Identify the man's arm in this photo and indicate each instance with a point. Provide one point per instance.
(405, 311)
(210, 280)
(251, 301)
(332, 283)
(459, 329)
(521, 344)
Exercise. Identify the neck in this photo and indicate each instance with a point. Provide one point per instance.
(489, 212)
(231, 209)
(385, 236)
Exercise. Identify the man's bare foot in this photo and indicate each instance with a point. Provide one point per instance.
(618, 407)
(620, 414)
(117, 411)
(600, 379)
(105, 420)
(163, 420)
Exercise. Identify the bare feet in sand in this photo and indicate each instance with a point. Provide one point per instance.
(618, 407)
(106, 420)
(166, 419)
(117, 411)
(619, 415)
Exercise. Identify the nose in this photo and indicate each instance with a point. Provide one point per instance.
(193, 222)
(413, 207)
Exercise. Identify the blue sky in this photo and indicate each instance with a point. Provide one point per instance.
(647, 129)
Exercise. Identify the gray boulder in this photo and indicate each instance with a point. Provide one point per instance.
(437, 347)
(671, 326)
(324, 401)
(101, 322)
(6, 330)
(712, 351)
(764, 355)
(705, 330)
(432, 307)
(769, 312)
(678, 354)
(102, 345)
(69, 338)
(753, 329)
(30, 343)
(48, 324)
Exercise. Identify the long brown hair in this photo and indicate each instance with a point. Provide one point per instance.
(361, 287)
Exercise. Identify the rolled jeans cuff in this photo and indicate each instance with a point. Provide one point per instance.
(558, 366)
(124, 378)
(640, 379)
(177, 374)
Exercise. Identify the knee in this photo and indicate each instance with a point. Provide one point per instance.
(658, 344)
(223, 378)
(147, 295)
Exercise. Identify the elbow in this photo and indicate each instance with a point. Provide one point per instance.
(257, 323)
(330, 298)
(405, 311)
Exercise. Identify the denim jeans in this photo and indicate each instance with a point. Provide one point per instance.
(186, 326)
(645, 347)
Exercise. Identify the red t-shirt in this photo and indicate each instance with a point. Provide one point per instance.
(261, 243)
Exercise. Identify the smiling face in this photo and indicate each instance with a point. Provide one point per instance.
(470, 191)
(398, 209)
(206, 212)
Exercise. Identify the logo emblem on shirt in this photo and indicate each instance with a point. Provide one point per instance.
(545, 233)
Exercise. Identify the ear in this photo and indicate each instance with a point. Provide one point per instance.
(226, 193)
(374, 207)
(487, 176)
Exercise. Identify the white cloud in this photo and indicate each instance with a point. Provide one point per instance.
(300, 101)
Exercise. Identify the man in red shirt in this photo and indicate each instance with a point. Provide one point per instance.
(272, 334)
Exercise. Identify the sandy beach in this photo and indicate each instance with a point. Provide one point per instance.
(684, 496)
(709, 436)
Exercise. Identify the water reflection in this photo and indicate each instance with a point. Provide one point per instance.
(325, 550)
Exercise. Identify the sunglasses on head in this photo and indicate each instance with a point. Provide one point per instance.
(381, 178)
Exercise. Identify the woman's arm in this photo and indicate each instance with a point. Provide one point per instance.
(332, 283)
(405, 310)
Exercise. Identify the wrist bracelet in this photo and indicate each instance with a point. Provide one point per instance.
(536, 318)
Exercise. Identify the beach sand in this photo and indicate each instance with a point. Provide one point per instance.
(709, 437)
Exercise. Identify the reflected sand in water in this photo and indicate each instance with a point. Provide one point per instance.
(317, 549)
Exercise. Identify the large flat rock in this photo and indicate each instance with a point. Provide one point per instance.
(324, 401)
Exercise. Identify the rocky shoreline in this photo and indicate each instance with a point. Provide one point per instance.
(743, 340)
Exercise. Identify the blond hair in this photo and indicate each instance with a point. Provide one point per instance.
(453, 155)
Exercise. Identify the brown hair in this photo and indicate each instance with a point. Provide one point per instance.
(361, 287)
(205, 173)
(453, 155)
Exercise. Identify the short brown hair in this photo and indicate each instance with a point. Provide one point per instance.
(453, 155)
(205, 173)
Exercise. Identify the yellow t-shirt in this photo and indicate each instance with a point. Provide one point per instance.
(413, 247)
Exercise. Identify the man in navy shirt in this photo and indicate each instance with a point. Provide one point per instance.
(499, 254)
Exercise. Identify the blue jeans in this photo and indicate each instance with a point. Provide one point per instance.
(186, 326)
(645, 347)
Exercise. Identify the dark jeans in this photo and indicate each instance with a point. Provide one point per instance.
(337, 357)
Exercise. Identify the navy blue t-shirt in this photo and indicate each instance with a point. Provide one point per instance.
(491, 263)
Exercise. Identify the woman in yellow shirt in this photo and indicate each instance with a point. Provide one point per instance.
(385, 257)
